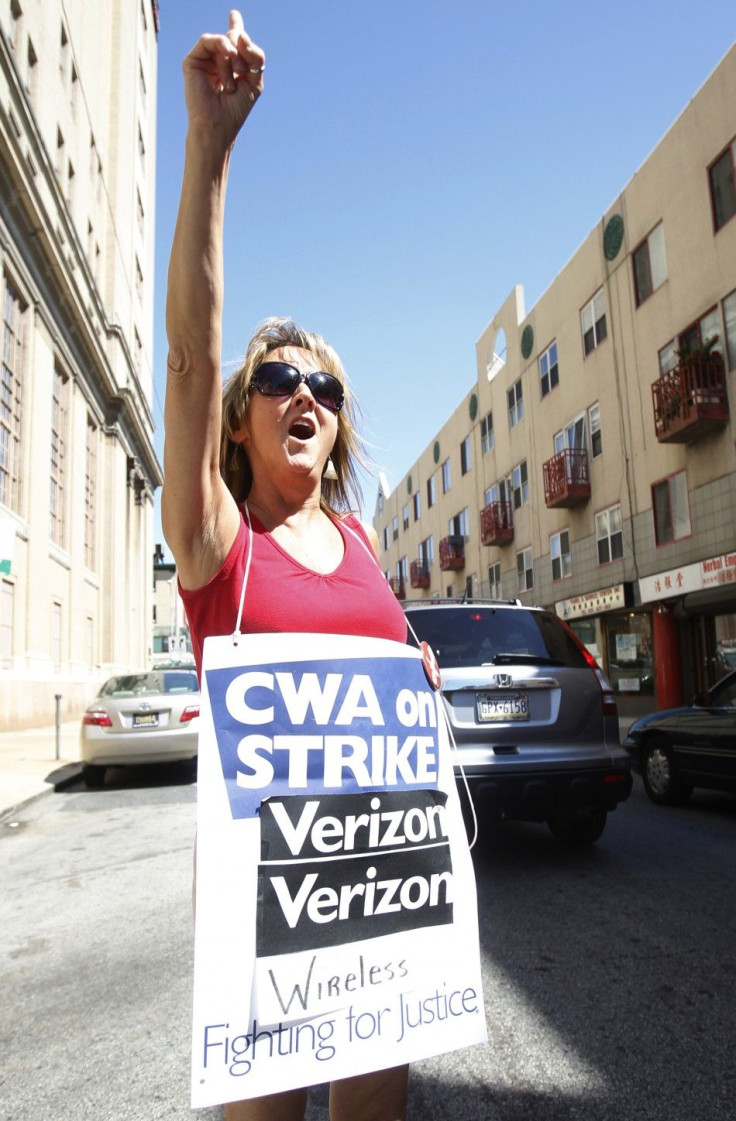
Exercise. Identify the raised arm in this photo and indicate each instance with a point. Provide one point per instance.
(223, 78)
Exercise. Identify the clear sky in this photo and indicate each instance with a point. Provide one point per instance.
(409, 163)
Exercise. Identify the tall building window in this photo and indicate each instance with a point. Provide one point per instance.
(7, 613)
(593, 322)
(487, 439)
(395, 528)
(520, 484)
(494, 580)
(594, 423)
(386, 537)
(516, 404)
(11, 397)
(446, 477)
(723, 186)
(549, 374)
(431, 492)
(417, 503)
(671, 509)
(650, 265)
(405, 517)
(142, 82)
(90, 495)
(59, 412)
(729, 323)
(31, 72)
(459, 526)
(64, 54)
(466, 456)
(426, 551)
(525, 570)
(559, 551)
(609, 534)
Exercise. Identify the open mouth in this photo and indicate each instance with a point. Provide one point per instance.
(302, 430)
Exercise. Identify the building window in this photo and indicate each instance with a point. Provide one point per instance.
(729, 323)
(515, 403)
(59, 412)
(138, 279)
(549, 374)
(722, 187)
(494, 580)
(55, 635)
(431, 492)
(520, 485)
(140, 212)
(705, 330)
(90, 495)
(64, 54)
(446, 477)
(466, 457)
(405, 517)
(402, 570)
(559, 551)
(395, 528)
(487, 439)
(650, 265)
(417, 504)
(7, 614)
(426, 551)
(459, 526)
(594, 423)
(386, 537)
(11, 397)
(609, 535)
(141, 82)
(593, 322)
(31, 72)
(525, 570)
(671, 509)
(141, 145)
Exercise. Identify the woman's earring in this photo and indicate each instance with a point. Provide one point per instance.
(329, 471)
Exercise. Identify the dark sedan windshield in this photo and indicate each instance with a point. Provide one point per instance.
(471, 636)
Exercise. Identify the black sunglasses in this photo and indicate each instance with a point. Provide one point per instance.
(279, 379)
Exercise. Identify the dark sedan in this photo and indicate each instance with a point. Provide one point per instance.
(680, 748)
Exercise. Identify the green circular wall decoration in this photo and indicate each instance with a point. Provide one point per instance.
(408, 485)
(527, 341)
(473, 406)
(436, 451)
(613, 236)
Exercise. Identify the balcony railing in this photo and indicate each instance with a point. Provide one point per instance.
(690, 400)
(419, 576)
(396, 584)
(452, 552)
(566, 478)
(497, 523)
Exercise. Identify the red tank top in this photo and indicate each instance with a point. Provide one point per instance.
(282, 595)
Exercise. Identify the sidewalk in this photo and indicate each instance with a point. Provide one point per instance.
(28, 763)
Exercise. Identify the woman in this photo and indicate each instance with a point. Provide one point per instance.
(286, 416)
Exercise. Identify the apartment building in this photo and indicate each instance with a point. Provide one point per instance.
(77, 463)
(591, 466)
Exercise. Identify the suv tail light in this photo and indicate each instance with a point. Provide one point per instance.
(191, 712)
(608, 698)
(98, 717)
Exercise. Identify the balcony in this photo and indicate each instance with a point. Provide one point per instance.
(566, 478)
(690, 400)
(419, 574)
(452, 552)
(397, 586)
(497, 524)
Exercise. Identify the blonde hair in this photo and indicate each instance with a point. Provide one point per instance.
(348, 453)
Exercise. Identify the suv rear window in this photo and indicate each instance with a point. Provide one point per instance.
(473, 636)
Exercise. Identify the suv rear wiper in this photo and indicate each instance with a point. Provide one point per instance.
(527, 659)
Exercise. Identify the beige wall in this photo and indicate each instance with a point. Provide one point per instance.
(671, 187)
(77, 146)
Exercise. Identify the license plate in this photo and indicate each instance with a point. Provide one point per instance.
(502, 706)
(145, 719)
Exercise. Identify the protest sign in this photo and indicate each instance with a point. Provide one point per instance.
(336, 925)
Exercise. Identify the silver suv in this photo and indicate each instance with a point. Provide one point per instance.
(533, 716)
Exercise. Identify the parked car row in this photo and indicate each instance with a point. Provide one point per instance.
(533, 719)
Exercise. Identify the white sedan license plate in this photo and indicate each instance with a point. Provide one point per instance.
(502, 706)
(145, 720)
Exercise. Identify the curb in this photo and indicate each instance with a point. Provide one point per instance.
(58, 779)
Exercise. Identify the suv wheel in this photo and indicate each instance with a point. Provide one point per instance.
(579, 827)
(93, 775)
(659, 772)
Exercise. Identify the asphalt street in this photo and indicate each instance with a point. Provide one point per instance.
(610, 985)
